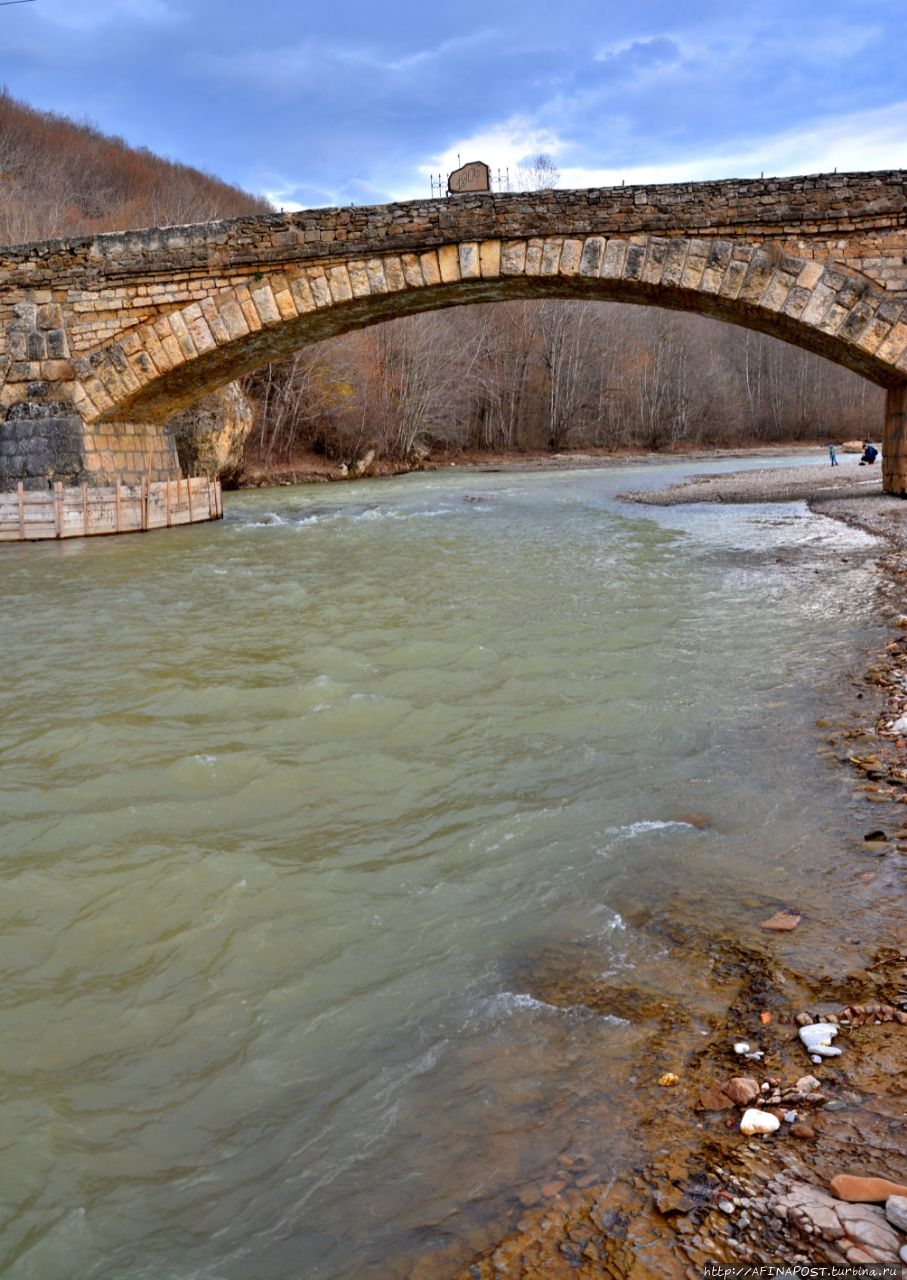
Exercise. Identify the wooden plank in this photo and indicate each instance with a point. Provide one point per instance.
(58, 509)
(119, 502)
(85, 520)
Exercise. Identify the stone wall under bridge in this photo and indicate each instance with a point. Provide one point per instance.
(103, 339)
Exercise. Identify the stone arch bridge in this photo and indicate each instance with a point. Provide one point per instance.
(103, 339)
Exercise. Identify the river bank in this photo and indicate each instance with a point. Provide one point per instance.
(708, 1193)
(312, 468)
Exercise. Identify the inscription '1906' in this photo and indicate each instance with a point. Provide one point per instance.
(475, 176)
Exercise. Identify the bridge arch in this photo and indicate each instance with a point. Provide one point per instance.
(155, 368)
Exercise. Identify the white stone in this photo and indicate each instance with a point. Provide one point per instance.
(818, 1033)
(896, 1211)
(759, 1122)
(900, 726)
(817, 1040)
(902, 1253)
(741, 1047)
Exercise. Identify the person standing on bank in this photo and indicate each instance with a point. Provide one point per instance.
(833, 454)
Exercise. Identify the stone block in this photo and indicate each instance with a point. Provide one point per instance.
(393, 273)
(57, 345)
(375, 274)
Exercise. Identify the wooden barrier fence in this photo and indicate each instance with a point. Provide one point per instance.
(68, 511)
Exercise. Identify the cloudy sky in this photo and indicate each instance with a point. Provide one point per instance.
(332, 103)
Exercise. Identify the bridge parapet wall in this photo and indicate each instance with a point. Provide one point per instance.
(853, 214)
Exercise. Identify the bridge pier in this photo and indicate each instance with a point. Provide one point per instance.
(894, 441)
(45, 442)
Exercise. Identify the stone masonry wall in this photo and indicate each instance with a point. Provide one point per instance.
(41, 443)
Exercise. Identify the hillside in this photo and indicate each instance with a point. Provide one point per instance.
(61, 178)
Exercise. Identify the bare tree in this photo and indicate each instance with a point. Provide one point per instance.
(540, 173)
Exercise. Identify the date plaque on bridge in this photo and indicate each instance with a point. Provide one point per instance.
(475, 176)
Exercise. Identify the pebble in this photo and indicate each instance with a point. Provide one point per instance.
(801, 1130)
(741, 1047)
(790, 1117)
(782, 921)
(754, 1122)
(902, 1253)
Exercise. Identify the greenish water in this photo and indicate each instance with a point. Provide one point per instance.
(287, 800)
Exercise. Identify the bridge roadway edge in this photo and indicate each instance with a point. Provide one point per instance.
(101, 336)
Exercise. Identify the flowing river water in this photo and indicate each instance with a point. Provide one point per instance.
(290, 803)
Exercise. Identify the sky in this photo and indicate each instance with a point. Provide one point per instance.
(361, 102)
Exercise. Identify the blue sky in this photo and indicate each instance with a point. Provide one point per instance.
(321, 104)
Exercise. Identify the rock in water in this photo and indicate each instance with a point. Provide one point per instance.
(863, 1190)
(755, 1122)
(782, 921)
(817, 1038)
(742, 1090)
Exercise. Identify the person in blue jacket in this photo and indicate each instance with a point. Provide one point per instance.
(869, 454)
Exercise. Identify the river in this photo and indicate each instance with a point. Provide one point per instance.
(290, 802)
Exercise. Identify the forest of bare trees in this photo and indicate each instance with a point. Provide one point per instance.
(552, 375)
(516, 376)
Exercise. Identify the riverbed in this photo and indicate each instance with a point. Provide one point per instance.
(297, 808)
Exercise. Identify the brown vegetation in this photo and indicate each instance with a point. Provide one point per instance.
(554, 375)
(59, 178)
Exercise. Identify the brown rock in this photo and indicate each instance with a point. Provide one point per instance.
(714, 1098)
(553, 1188)
(742, 1090)
(802, 1130)
(782, 921)
(864, 1190)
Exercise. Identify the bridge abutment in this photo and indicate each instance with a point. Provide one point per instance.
(894, 441)
(43, 443)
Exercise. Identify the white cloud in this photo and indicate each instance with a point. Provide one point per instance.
(505, 146)
(864, 140)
